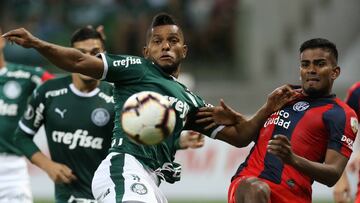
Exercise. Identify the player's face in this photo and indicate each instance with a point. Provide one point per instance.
(166, 47)
(318, 70)
(90, 47)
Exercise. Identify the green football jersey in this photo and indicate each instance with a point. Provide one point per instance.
(78, 128)
(131, 74)
(17, 82)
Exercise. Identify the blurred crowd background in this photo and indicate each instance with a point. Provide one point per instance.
(239, 50)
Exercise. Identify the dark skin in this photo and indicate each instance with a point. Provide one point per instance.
(318, 70)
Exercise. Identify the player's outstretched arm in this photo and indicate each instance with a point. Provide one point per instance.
(68, 59)
(342, 190)
(238, 130)
(327, 173)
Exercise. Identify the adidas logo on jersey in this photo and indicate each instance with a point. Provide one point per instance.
(8, 109)
(78, 138)
(126, 62)
(18, 74)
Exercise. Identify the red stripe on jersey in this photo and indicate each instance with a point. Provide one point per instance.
(46, 76)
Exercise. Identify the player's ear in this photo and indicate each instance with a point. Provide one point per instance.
(335, 72)
(185, 49)
(145, 52)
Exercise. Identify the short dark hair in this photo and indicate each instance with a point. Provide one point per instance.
(159, 20)
(85, 33)
(320, 43)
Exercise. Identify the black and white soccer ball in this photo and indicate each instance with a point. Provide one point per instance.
(148, 118)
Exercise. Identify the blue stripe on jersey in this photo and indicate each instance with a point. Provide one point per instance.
(353, 100)
(335, 120)
(273, 166)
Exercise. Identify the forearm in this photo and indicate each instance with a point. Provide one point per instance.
(247, 130)
(68, 59)
(40, 160)
(323, 173)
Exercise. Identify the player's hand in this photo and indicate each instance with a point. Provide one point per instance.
(191, 139)
(281, 96)
(218, 115)
(21, 37)
(354, 164)
(280, 146)
(59, 173)
(342, 190)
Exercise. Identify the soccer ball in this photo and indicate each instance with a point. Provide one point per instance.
(147, 118)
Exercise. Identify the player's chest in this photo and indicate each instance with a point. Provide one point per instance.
(300, 116)
(70, 111)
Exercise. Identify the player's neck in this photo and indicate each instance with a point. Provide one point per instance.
(175, 74)
(2, 60)
(85, 85)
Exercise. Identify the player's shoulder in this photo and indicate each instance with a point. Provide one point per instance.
(25, 69)
(354, 89)
(55, 84)
(124, 60)
(342, 106)
(106, 87)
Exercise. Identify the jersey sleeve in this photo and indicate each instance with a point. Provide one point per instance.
(353, 98)
(122, 68)
(342, 126)
(191, 118)
(30, 123)
(39, 76)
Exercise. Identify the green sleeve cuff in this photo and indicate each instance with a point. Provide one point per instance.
(24, 142)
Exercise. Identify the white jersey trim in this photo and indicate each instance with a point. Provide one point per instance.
(106, 66)
(3, 70)
(215, 132)
(83, 94)
(26, 129)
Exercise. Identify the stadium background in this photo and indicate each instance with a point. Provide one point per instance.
(239, 50)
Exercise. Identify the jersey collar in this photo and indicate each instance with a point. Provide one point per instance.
(83, 94)
(3, 70)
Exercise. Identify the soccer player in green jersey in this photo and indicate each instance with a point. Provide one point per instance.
(78, 113)
(131, 173)
(17, 82)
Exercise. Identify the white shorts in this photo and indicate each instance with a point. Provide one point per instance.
(14, 180)
(121, 178)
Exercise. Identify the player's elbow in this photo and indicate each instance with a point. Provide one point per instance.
(332, 179)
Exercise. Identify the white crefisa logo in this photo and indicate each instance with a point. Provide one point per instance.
(126, 62)
(100, 117)
(29, 113)
(301, 106)
(12, 89)
(354, 124)
(78, 138)
(39, 115)
(8, 109)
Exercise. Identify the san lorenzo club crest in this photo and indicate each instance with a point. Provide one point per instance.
(139, 188)
(100, 117)
(301, 106)
(12, 89)
(354, 124)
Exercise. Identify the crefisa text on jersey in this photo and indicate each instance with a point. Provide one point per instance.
(126, 62)
(279, 118)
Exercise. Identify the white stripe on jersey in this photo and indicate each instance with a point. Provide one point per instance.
(106, 66)
(192, 99)
(218, 129)
(26, 129)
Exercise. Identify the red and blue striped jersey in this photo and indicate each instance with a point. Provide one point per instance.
(353, 98)
(312, 125)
